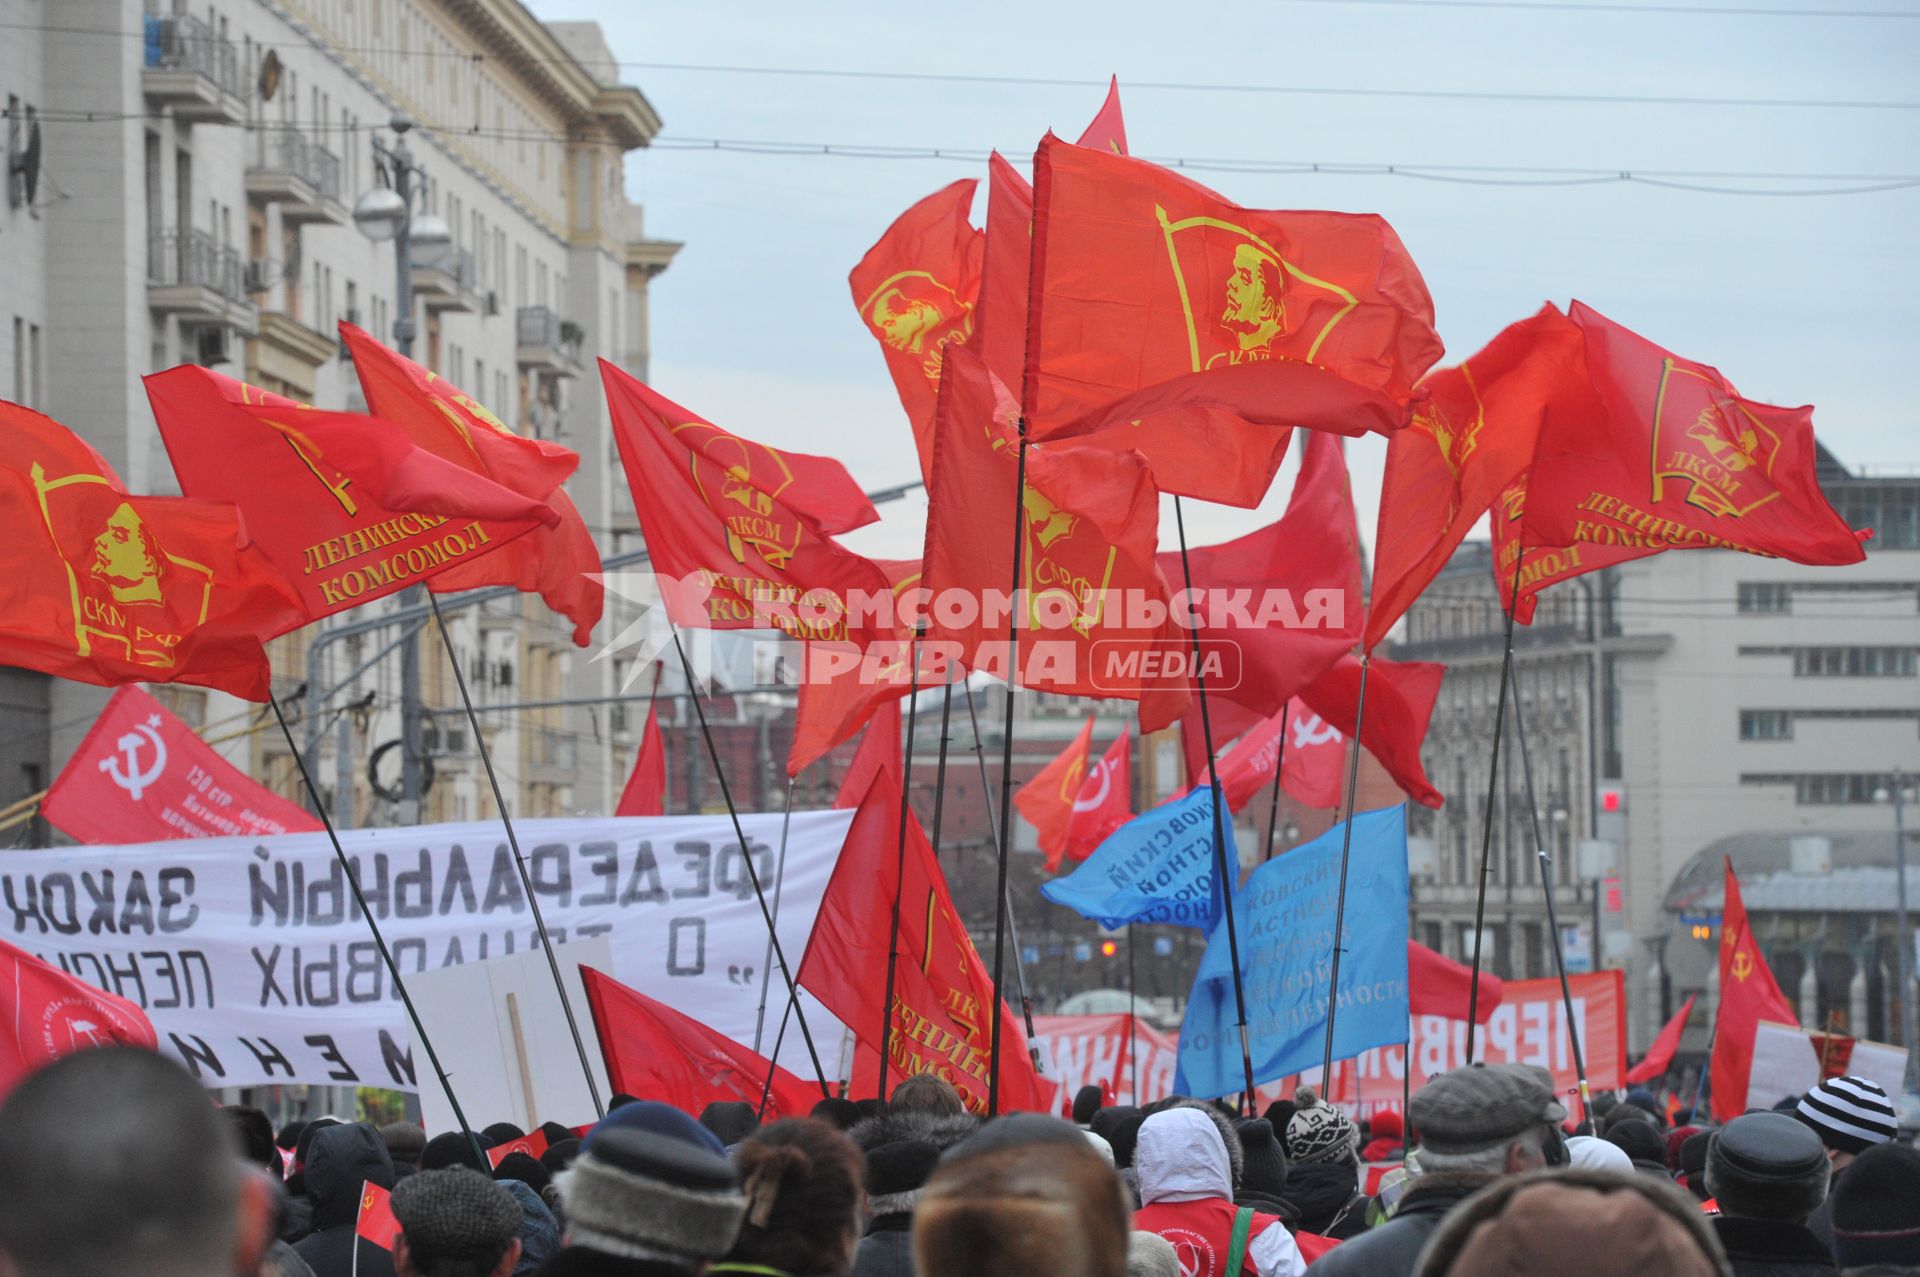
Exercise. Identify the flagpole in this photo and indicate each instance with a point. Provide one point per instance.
(1017, 603)
(1229, 876)
(1346, 848)
(1493, 788)
(779, 882)
(1279, 761)
(519, 861)
(1133, 1021)
(379, 941)
(1013, 928)
(900, 856)
(773, 1060)
(940, 767)
(1546, 887)
(746, 856)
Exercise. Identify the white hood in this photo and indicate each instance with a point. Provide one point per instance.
(1181, 1157)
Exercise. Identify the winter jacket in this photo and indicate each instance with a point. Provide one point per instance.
(1328, 1198)
(887, 1249)
(942, 1130)
(1772, 1248)
(342, 1159)
(1186, 1183)
(1393, 1249)
(580, 1262)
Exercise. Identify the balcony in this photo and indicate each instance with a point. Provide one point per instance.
(192, 275)
(192, 70)
(298, 174)
(448, 285)
(546, 343)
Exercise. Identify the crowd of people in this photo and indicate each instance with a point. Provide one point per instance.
(112, 1161)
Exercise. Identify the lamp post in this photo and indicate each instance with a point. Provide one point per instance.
(387, 212)
(1898, 794)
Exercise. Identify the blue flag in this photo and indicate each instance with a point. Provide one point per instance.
(1285, 916)
(1158, 867)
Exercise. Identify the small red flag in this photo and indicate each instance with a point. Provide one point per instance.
(880, 751)
(1248, 764)
(104, 587)
(142, 775)
(1400, 700)
(666, 1055)
(1660, 1055)
(646, 789)
(1047, 800)
(1748, 995)
(1107, 131)
(1314, 771)
(376, 1221)
(532, 1144)
(46, 1013)
(1437, 985)
(1105, 800)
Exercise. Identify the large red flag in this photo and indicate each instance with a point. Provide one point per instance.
(880, 751)
(653, 1050)
(1437, 985)
(46, 1013)
(1248, 765)
(349, 508)
(843, 683)
(1684, 461)
(943, 992)
(142, 775)
(1475, 434)
(1660, 1055)
(1748, 995)
(646, 789)
(1047, 800)
(560, 563)
(916, 290)
(739, 533)
(1400, 701)
(1534, 568)
(1105, 800)
(105, 587)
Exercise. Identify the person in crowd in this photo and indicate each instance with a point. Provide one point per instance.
(803, 1183)
(453, 1223)
(1675, 1138)
(924, 1108)
(341, 1160)
(253, 1136)
(453, 1148)
(405, 1143)
(1478, 1125)
(539, 1231)
(556, 1133)
(1120, 1128)
(647, 1199)
(299, 1219)
(560, 1156)
(1642, 1144)
(1590, 1153)
(1151, 1255)
(1323, 1168)
(1876, 1213)
(503, 1133)
(1692, 1174)
(1087, 1101)
(1643, 1099)
(525, 1168)
(1572, 1223)
(731, 1120)
(1025, 1197)
(1280, 1112)
(1768, 1172)
(1385, 1131)
(1622, 1113)
(1263, 1168)
(925, 1093)
(619, 1099)
(836, 1112)
(1187, 1177)
(1850, 1115)
(895, 1175)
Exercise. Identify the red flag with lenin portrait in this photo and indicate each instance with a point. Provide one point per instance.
(104, 587)
(46, 1013)
(943, 992)
(560, 563)
(1219, 327)
(740, 535)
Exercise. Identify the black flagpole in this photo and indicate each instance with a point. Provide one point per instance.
(1346, 847)
(1229, 876)
(379, 941)
(1018, 603)
(900, 860)
(1546, 886)
(940, 767)
(1279, 761)
(1013, 923)
(1133, 1022)
(746, 856)
(1493, 789)
(519, 861)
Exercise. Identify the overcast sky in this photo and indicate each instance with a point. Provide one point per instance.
(1797, 298)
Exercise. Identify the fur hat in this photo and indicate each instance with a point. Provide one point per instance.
(1037, 1209)
(1876, 1212)
(639, 1194)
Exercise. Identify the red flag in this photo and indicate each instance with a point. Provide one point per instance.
(1047, 800)
(1104, 801)
(1475, 434)
(740, 534)
(843, 683)
(1248, 765)
(653, 1050)
(142, 775)
(46, 1013)
(943, 993)
(1748, 995)
(1682, 461)
(1107, 131)
(879, 751)
(101, 586)
(532, 1144)
(1665, 1043)
(1314, 771)
(348, 508)
(646, 789)
(916, 290)
(1400, 700)
(376, 1221)
(560, 563)
(1437, 985)
(1543, 566)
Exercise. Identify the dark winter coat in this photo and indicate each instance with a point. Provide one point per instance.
(1328, 1199)
(1393, 1249)
(1772, 1248)
(887, 1249)
(942, 1130)
(593, 1263)
(342, 1159)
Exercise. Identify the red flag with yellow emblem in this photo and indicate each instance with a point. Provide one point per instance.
(376, 1221)
(1534, 568)
(1748, 995)
(1047, 800)
(842, 684)
(560, 563)
(104, 587)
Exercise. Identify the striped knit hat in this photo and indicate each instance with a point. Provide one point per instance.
(1849, 1114)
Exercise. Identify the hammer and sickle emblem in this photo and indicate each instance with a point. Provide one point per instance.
(1311, 729)
(1094, 790)
(135, 779)
(1742, 965)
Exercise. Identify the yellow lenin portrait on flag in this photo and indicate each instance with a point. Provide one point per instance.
(1718, 446)
(741, 482)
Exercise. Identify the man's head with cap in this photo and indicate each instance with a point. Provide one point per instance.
(1850, 1115)
(639, 1193)
(454, 1221)
(1876, 1210)
(1767, 1166)
(1486, 1117)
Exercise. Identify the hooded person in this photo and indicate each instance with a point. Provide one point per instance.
(1386, 1131)
(1478, 1125)
(895, 1175)
(341, 1159)
(1026, 1197)
(1850, 1115)
(1876, 1213)
(647, 1199)
(1768, 1172)
(1323, 1168)
(1187, 1196)
(1087, 1101)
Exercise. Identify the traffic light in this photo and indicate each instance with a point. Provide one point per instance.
(1108, 948)
(1613, 799)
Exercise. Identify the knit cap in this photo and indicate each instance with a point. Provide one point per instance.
(639, 1194)
(1319, 1132)
(1849, 1114)
(455, 1213)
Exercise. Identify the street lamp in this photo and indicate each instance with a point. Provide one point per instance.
(1899, 795)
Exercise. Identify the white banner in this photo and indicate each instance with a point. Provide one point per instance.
(256, 966)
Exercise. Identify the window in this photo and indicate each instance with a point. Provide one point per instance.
(1765, 597)
(1823, 789)
(1766, 724)
(1853, 662)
